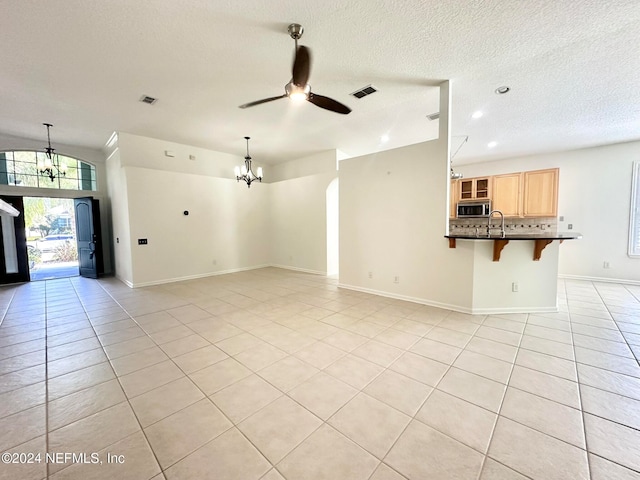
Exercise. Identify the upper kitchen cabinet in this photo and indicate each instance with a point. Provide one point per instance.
(506, 194)
(453, 197)
(475, 188)
(541, 193)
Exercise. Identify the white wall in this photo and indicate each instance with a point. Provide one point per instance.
(120, 231)
(298, 210)
(393, 218)
(492, 281)
(392, 226)
(227, 224)
(594, 196)
(92, 156)
(227, 228)
(147, 152)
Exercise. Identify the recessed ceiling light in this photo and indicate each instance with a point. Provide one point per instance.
(477, 114)
(384, 138)
(502, 90)
(492, 144)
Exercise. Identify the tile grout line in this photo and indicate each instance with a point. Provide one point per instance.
(46, 377)
(233, 425)
(504, 395)
(582, 413)
(117, 378)
(381, 372)
(433, 387)
(617, 326)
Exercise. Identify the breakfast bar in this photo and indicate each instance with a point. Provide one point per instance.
(540, 239)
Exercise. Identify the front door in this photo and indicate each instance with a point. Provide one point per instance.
(88, 237)
(14, 264)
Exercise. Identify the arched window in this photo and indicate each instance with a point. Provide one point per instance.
(20, 168)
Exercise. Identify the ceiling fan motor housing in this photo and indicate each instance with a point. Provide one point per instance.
(295, 31)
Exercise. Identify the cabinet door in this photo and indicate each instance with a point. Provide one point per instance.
(466, 189)
(507, 193)
(541, 193)
(453, 198)
(482, 188)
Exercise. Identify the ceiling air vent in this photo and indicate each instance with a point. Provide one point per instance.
(364, 91)
(433, 116)
(148, 99)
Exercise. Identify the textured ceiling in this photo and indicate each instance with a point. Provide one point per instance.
(573, 68)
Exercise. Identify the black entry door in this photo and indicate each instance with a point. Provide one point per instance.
(88, 237)
(14, 264)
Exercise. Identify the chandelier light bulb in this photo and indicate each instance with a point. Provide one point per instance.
(259, 172)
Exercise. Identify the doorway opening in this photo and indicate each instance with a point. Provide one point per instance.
(50, 231)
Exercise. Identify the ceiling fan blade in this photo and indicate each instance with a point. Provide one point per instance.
(301, 66)
(328, 103)
(264, 100)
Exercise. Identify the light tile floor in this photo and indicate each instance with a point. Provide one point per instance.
(271, 374)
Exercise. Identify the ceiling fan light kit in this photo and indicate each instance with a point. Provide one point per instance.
(245, 172)
(298, 88)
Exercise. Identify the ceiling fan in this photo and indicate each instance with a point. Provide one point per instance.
(298, 88)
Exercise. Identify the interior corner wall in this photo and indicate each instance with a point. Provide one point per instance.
(393, 209)
(224, 230)
(594, 196)
(298, 209)
(117, 190)
(299, 222)
(226, 225)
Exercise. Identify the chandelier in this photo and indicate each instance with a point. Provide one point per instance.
(51, 167)
(245, 173)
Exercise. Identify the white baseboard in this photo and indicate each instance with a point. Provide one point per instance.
(126, 282)
(599, 279)
(455, 308)
(192, 277)
(297, 269)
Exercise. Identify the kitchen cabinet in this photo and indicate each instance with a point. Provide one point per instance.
(506, 194)
(540, 197)
(453, 197)
(474, 188)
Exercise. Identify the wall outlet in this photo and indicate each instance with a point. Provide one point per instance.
(396, 279)
(370, 274)
(514, 287)
(570, 226)
(606, 264)
(142, 241)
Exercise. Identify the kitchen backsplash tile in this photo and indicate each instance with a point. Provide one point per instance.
(511, 225)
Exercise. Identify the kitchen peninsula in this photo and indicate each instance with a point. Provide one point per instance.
(541, 240)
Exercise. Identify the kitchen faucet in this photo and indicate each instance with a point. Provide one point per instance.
(502, 232)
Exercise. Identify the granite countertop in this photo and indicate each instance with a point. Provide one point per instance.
(519, 236)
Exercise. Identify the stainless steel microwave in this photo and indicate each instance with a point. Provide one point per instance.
(473, 209)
